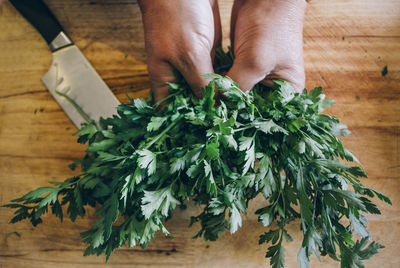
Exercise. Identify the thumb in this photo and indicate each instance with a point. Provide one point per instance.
(160, 73)
(248, 72)
(294, 75)
(192, 68)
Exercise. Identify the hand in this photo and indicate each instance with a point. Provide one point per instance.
(181, 35)
(267, 42)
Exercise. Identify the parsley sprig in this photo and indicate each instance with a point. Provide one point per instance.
(143, 162)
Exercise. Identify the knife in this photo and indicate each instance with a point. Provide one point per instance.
(71, 79)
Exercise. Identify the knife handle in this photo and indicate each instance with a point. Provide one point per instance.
(39, 15)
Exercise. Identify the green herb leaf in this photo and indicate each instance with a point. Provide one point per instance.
(160, 200)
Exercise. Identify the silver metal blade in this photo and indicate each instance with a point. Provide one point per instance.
(71, 74)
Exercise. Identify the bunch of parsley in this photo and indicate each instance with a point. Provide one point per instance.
(143, 162)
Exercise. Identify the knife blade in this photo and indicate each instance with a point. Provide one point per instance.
(71, 79)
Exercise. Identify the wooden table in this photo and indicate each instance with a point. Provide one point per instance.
(347, 43)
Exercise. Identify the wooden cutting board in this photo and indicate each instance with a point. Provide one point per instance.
(347, 43)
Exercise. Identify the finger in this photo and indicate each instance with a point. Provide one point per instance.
(234, 14)
(217, 27)
(293, 75)
(192, 66)
(249, 71)
(160, 72)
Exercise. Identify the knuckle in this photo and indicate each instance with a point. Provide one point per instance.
(257, 63)
(298, 78)
(193, 56)
(157, 51)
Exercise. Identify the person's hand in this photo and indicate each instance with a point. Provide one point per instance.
(267, 41)
(181, 35)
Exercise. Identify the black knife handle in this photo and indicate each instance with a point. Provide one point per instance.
(39, 15)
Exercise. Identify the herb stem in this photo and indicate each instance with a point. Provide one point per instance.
(243, 128)
(76, 106)
(155, 106)
(159, 136)
(82, 113)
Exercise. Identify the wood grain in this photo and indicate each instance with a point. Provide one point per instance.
(346, 45)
